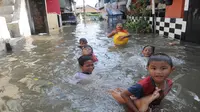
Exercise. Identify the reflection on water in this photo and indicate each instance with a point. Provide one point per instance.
(35, 78)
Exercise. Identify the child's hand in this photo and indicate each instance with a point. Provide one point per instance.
(114, 31)
(156, 93)
(120, 38)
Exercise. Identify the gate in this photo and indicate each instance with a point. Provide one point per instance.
(193, 23)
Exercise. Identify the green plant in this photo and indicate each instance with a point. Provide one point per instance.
(138, 9)
(140, 26)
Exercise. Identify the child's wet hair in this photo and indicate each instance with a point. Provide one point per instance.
(88, 46)
(152, 47)
(160, 57)
(83, 59)
(84, 40)
(119, 24)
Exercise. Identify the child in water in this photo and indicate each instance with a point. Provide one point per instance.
(88, 51)
(147, 51)
(119, 28)
(87, 66)
(149, 91)
(82, 42)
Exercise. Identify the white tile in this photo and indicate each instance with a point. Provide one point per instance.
(186, 6)
(162, 24)
(166, 29)
(172, 25)
(157, 19)
(172, 35)
(178, 31)
(150, 19)
(167, 20)
(184, 26)
(179, 21)
(157, 27)
(161, 32)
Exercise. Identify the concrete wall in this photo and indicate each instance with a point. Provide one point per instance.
(16, 17)
(4, 33)
(173, 28)
(52, 21)
(175, 10)
(53, 10)
(23, 20)
(53, 6)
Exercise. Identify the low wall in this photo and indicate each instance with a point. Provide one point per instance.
(167, 27)
(4, 33)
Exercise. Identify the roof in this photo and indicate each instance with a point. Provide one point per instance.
(88, 9)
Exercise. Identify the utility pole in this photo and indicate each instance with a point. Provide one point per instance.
(84, 9)
(153, 16)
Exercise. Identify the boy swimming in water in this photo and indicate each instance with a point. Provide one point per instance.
(88, 51)
(87, 66)
(148, 50)
(149, 91)
(119, 28)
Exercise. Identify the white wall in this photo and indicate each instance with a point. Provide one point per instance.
(4, 33)
(23, 21)
(52, 21)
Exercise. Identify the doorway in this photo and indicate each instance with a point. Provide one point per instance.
(193, 23)
(37, 16)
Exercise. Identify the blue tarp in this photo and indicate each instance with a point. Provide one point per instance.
(113, 12)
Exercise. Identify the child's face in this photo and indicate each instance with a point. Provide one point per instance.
(88, 66)
(147, 52)
(83, 43)
(159, 71)
(87, 51)
(119, 27)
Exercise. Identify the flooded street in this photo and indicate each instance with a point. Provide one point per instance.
(34, 78)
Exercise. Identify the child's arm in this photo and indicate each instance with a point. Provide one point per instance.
(122, 37)
(112, 33)
(126, 96)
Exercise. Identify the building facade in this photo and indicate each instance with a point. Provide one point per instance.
(176, 19)
(180, 20)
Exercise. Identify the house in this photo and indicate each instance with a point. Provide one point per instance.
(90, 12)
(88, 9)
(180, 20)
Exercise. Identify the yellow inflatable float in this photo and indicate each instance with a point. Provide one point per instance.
(120, 42)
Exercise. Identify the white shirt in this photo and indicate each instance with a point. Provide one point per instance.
(80, 78)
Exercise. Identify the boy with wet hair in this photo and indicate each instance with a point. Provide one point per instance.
(149, 91)
(87, 66)
(148, 50)
(82, 42)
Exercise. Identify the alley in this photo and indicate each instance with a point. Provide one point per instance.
(34, 78)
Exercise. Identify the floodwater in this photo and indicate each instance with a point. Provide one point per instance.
(34, 78)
